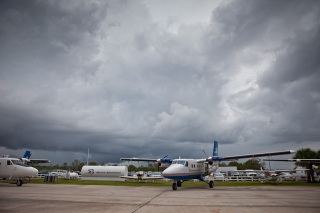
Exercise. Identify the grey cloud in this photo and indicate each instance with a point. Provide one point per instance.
(106, 76)
(299, 59)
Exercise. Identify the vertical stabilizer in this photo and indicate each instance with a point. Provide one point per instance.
(215, 148)
(27, 154)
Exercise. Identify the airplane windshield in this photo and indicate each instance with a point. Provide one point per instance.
(179, 162)
(18, 162)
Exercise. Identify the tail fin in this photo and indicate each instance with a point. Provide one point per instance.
(27, 154)
(215, 148)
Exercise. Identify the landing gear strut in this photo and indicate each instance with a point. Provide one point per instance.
(179, 183)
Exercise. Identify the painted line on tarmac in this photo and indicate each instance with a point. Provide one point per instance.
(150, 200)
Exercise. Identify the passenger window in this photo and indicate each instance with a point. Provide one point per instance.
(186, 164)
(8, 162)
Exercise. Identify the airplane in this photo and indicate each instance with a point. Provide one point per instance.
(180, 170)
(141, 176)
(27, 160)
(310, 162)
(16, 169)
(274, 175)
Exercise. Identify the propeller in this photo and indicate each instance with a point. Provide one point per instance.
(164, 161)
(159, 161)
(210, 161)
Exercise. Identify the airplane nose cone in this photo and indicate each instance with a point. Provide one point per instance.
(34, 171)
(169, 171)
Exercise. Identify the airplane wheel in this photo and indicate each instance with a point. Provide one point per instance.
(174, 186)
(179, 183)
(211, 184)
(19, 182)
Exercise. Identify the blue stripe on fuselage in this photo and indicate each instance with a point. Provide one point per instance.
(184, 177)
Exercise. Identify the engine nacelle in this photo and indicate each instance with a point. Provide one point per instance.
(212, 169)
(209, 160)
(212, 159)
(164, 162)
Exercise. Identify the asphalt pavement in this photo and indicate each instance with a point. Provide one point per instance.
(88, 198)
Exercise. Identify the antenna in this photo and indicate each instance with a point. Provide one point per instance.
(205, 153)
(88, 158)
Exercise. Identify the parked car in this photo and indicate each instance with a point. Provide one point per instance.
(218, 176)
(233, 174)
(286, 176)
(251, 174)
(44, 172)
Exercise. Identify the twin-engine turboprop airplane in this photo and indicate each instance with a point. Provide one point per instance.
(16, 169)
(181, 170)
(141, 175)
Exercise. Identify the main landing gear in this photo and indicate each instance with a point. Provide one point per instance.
(211, 183)
(177, 184)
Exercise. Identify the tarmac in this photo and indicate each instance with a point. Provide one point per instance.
(88, 198)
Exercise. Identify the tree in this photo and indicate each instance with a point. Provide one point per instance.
(237, 164)
(222, 164)
(76, 165)
(307, 153)
(253, 164)
(131, 168)
(65, 165)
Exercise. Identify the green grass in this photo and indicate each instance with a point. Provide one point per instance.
(168, 184)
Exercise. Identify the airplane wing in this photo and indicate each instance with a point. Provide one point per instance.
(37, 161)
(139, 159)
(163, 162)
(130, 177)
(266, 154)
(236, 157)
(141, 178)
(295, 160)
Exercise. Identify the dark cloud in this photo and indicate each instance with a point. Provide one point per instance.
(116, 78)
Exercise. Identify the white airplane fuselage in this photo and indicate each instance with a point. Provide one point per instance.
(14, 169)
(186, 169)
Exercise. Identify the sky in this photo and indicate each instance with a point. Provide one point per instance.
(159, 77)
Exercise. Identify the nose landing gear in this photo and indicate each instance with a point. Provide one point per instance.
(19, 182)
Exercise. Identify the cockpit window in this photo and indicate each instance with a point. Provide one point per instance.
(18, 162)
(179, 162)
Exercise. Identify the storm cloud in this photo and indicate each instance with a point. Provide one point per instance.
(141, 78)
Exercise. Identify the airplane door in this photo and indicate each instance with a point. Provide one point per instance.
(9, 168)
(207, 168)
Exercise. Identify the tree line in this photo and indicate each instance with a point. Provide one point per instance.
(255, 164)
